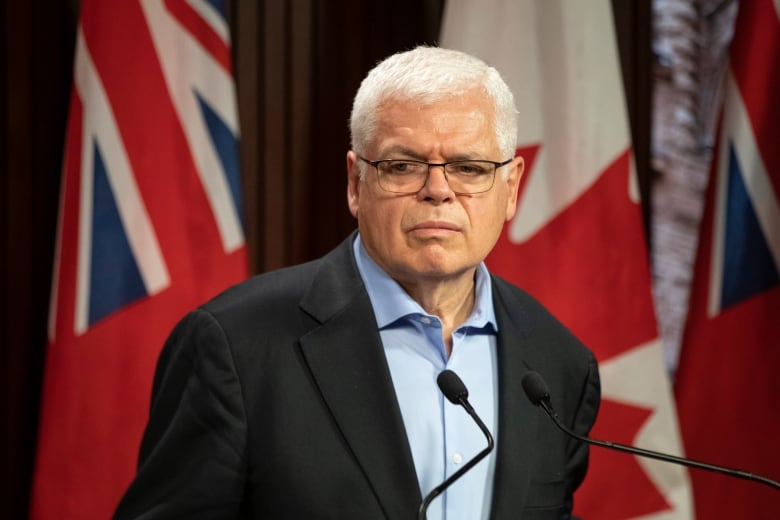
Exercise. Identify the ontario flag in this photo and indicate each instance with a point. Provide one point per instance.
(727, 387)
(149, 227)
(577, 240)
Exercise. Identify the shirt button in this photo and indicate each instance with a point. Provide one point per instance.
(457, 458)
(426, 320)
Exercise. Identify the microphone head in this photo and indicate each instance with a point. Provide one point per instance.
(535, 387)
(452, 387)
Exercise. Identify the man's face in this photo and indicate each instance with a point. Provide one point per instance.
(433, 233)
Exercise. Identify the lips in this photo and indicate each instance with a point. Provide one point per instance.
(433, 226)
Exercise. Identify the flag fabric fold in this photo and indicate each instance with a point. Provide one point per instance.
(577, 241)
(149, 227)
(726, 385)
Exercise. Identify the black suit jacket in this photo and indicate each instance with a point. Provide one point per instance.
(274, 400)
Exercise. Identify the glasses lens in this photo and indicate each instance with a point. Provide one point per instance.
(470, 176)
(402, 176)
(405, 176)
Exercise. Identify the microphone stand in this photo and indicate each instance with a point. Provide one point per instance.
(454, 389)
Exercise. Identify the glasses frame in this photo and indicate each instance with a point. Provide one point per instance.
(444, 165)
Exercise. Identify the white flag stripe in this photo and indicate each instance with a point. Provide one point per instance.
(215, 20)
(84, 68)
(557, 106)
(55, 278)
(99, 124)
(185, 77)
(736, 126)
(754, 172)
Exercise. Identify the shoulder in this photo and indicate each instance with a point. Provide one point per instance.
(535, 340)
(265, 291)
(246, 313)
(278, 290)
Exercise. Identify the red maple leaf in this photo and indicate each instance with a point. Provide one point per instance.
(617, 487)
(589, 266)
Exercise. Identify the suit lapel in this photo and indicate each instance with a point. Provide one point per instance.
(517, 416)
(347, 363)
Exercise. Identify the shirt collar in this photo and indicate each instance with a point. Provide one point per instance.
(392, 303)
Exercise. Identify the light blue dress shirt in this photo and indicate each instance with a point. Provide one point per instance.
(442, 436)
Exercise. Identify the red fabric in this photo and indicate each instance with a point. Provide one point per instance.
(727, 385)
(577, 242)
(97, 384)
(589, 267)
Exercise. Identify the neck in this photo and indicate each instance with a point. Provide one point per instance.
(452, 300)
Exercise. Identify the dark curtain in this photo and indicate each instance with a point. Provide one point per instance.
(297, 65)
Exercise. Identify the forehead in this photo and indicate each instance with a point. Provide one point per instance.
(467, 117)
(474, 99)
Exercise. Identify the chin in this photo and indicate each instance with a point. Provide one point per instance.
(439, 268)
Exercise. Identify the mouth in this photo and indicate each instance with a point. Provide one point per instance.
(434, 228)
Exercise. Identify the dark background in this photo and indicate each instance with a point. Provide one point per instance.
(297, 65)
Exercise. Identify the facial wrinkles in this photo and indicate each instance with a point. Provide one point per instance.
(459, 128)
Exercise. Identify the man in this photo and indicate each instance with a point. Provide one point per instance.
(311, 392)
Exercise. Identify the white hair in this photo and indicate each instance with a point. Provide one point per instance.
(430, 74)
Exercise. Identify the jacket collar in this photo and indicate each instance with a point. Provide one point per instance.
(517, 419)
(347, 361)
(348, 364)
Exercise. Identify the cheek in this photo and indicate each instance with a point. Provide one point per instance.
(486, 213)
(487, 221)
(381, 218)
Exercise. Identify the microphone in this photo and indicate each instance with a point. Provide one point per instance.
(536, 390)
(453, 389)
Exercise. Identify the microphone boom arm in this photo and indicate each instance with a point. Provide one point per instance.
(545, 404)
(455, 476)
(455, 391)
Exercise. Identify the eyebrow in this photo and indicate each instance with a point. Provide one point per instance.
(408, 152)
(403, 151)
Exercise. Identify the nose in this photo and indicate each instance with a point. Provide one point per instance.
(436, 187)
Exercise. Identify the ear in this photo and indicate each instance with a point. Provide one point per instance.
(516, 170)
(353, 183)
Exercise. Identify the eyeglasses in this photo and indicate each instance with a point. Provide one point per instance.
(407, 176)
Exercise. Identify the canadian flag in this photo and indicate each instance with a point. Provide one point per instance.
(577, 241)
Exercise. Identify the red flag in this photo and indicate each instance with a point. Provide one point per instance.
(727, 386)
(577, 242)
(149, 227)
